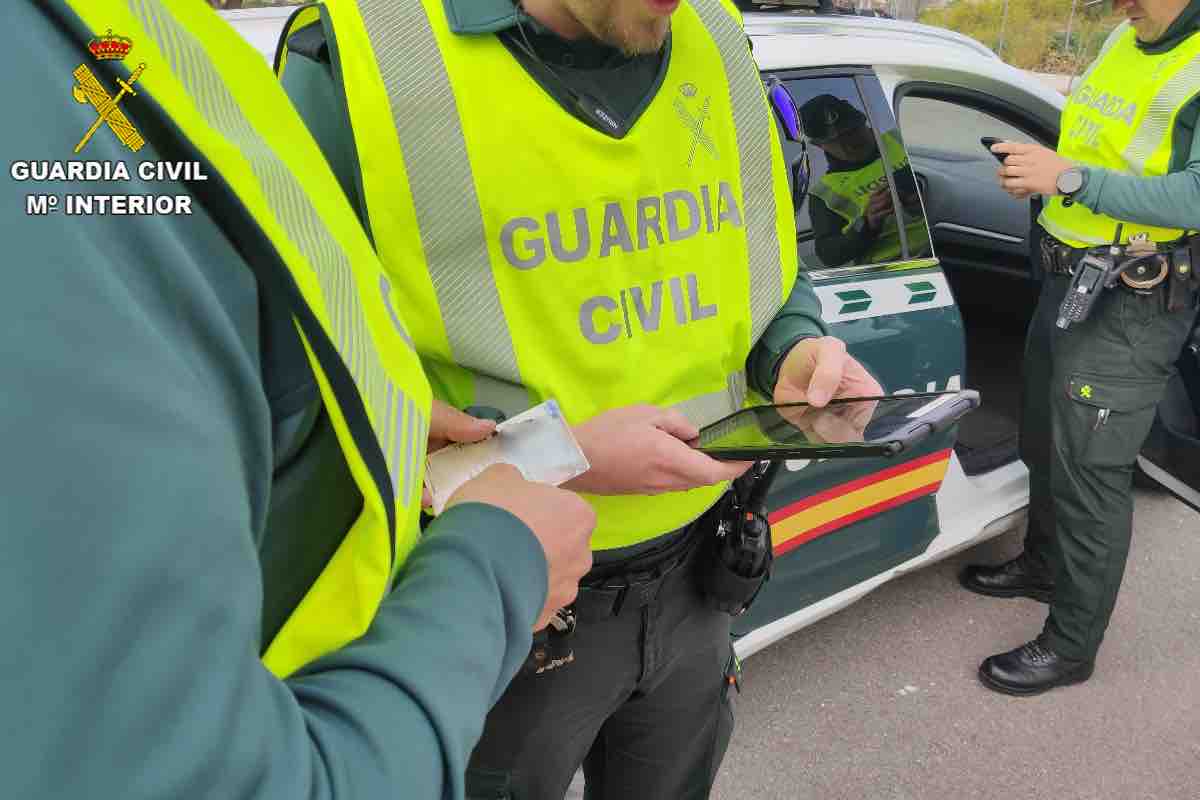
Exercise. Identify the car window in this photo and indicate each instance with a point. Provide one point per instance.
(849, 215)
(975, 223)
(896, 152)
(940, 128)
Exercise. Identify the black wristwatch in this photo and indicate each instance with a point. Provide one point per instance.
(1069, 182)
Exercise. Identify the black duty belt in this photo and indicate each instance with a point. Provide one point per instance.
(610, 590)
(1061, 259)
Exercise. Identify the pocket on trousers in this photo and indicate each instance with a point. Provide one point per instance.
(487, 784)
(1110, 417)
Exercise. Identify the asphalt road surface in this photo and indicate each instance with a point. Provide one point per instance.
(881, 700)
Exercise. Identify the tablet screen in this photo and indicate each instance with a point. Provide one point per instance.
(871, 426)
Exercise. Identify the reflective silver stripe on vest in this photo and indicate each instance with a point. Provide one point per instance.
(1112, 39)
(443, 189)
(751, 122)
(712, 406)
(304, 227)
(1160, 116)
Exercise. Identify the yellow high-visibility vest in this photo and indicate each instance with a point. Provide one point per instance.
(559, 262)
(272, 191)
(1121, 118)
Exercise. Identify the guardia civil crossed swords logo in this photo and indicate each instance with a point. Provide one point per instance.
(694, 122)
(89, 89)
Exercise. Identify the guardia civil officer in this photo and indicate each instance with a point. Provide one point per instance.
(853, 216)
(213, 437)
(603, 215)
(1127, 170)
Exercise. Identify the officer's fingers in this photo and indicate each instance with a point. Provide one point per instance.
(837, 429)
(1017, 167)
(673, 421)
(828, 372)
(448, 424)
(859, 417)
(1013, 182)
(1011, 185)
(797, 416)
(690, 468)
(1012, 147)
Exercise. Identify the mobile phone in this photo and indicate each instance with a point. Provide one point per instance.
(988, 141)
(845, 428)
(906, 182)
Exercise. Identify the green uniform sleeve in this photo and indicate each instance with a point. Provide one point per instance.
(310, 86)
(135, 478)
(1168, 201)
(800, 318)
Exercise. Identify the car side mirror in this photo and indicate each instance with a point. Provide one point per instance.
(787, 112)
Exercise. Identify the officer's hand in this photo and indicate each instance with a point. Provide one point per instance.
(447, 424)
(879, 208)
(1029, 169)
(644, 450)
(562, 521)
(819, 369)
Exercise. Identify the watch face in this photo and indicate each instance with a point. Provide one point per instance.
(1069, 181)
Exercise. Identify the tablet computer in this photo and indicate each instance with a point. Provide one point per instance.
(846, 428)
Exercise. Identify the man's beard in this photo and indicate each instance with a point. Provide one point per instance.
(631, 37)
(637, 39)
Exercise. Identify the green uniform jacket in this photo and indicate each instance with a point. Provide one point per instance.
(146, 424)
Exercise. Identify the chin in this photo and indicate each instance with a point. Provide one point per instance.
(648, 41)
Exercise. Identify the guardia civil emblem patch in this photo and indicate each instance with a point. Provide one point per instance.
(89, 89)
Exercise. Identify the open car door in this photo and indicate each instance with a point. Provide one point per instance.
(1172, 452)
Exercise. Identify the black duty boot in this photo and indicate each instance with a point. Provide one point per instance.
(1015, 578)
(1032, 668)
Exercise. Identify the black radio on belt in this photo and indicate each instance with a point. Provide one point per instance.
(741, 553)
(1139, 266)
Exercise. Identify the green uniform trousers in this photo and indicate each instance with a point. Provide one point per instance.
(1090, 394)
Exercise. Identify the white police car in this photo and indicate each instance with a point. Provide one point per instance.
(921, 264)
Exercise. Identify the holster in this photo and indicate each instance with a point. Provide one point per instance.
(1183, 286)
(738, 556)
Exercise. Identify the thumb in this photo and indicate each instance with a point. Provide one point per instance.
(450, 424)
(675, 423)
